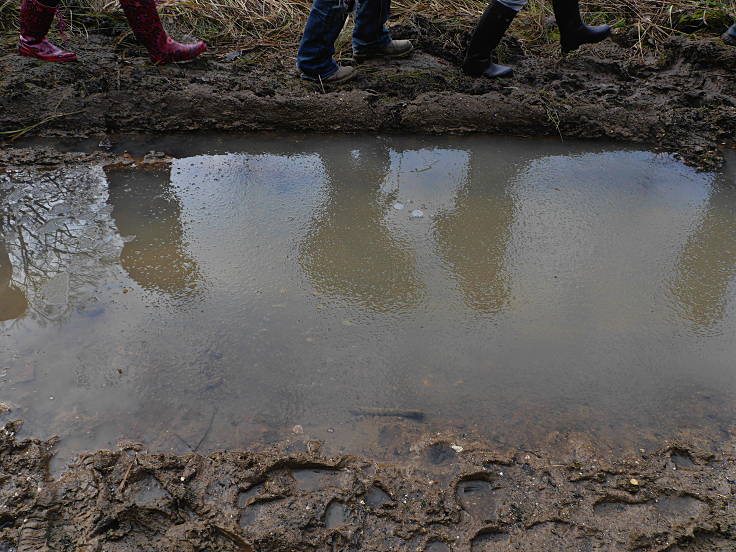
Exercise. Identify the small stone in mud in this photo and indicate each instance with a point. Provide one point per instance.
(398, 206)
(417, 213)
(297, 430)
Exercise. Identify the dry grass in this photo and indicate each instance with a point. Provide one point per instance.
(251, 24)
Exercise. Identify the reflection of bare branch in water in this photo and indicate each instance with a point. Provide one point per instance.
(55, 229)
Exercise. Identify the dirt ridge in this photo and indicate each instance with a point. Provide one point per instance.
(462, 497)
(682, 99)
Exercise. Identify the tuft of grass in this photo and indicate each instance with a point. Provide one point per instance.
(277, 24)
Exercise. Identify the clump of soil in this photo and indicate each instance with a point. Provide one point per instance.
(681, 98)
(445, 496)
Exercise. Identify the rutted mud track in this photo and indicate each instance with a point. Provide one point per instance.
(293, 498)
(681, 99)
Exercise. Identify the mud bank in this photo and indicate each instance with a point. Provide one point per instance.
(445, 496)
(680, 99)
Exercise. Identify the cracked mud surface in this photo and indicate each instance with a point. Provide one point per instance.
(294, 497)
(682, 99)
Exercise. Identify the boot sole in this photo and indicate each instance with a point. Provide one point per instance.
(363, 57)
(566, 49)
(345, 79)
(47, 60)
(164, 61)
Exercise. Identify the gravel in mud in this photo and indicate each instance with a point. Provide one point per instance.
(445, 496)
(681, 98)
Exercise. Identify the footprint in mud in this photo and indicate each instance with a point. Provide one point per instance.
(377, 497)
(250, 515)
(438, 454)
(148, 492)
(682, 460)
(654, 516)
(489, 541)
(245, 496)
(316, 479)
(680, 507)
(336, 515)
(476, 498)
(437, 546)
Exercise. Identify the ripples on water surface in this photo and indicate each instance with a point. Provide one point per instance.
(500, 288)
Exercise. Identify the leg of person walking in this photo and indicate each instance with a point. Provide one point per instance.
(146, 25)
(317, 47)
(573, 32)
(36, 19)
(487, 35)
(370, 35)
(35, 22)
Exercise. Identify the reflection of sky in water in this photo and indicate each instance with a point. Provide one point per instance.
(281, 286)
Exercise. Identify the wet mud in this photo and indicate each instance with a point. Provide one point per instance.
(445, 495)
(680, 98)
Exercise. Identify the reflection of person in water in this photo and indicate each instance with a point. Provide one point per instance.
(13, 303)
(473, 237)
(707, 263)
(148, 213)
(349, 251)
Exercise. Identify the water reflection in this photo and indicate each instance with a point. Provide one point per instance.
(147, 214)
(707, 263)
(349, 251)
(13, 302)
(474, 234)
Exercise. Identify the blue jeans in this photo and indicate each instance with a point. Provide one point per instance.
(324, 24)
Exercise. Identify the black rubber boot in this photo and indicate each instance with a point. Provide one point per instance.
(573, 32)
(729, 37)
(487, 35)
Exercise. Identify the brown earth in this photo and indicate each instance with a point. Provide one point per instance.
(443, 497)
(436, 497)
(681, 98)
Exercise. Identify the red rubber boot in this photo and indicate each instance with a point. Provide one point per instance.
(35, 21)
(143, 18)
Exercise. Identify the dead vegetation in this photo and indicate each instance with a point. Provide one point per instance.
(277, 24)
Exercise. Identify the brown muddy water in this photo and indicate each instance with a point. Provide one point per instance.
(364, 291)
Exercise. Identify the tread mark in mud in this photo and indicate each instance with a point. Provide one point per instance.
(489, 540)
(476, 497)
(314, 479)
(437, 546)
(439, 453)
(336, 515)
(377, 497)
(244, 498)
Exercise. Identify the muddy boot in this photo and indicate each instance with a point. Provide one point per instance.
(35, 21)
(729, 37)
(491, 27)
(392, 49)
(144, 20)
(343, 74)
(573, 32)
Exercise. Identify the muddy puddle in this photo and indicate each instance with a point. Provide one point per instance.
(366, 292)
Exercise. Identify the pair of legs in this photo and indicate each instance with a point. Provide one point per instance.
(36, 19)
(370, 36)
(496, 20)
